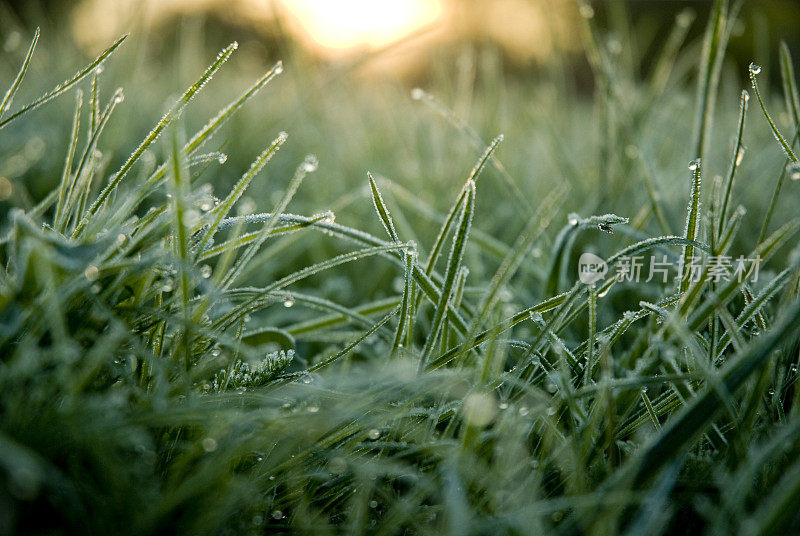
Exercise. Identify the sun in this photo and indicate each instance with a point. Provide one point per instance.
(347, 24)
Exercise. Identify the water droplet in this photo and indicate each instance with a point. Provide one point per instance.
(121, 238)
(205, 271)
(573, 219)
(313, 409)
(694, 164)
(247, 318)
(310, 164)
(523, 411)
(755, 68)
(235, 45)
(329, 217)
(209, 444)
(793, 170)
(740, 156)
(215, 352)
(277, 514)
(99, 69)
(374, 434)
(91, 273)
(222, 158)
(479, 409)
(551, 387)
(373, 504)
(417, 93)
(119, 96)
(288, 302)
(745, 96)
(587, 12)
(278, 69)
(551, 411)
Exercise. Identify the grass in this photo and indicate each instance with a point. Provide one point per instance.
(177, 363)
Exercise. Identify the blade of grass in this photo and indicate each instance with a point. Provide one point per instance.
(453, 266)
(62, 189)
(9, 96)
(64, 86)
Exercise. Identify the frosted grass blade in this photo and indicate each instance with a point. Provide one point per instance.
(754, 70)
(380, 208)
(62, 189)
(9, 96)
(453, 266)
(64, 86)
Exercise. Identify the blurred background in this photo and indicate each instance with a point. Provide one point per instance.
(517, 67)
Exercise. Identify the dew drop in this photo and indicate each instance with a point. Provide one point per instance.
(209, 444)
(205, 271)
(277, 514)
(573, 219)
(793, 170)
(374, 434)
(745, 96)
(119, 96)
(417, 93)
(523, 411)
(91, 273)
(313, 409)
(278, 69)
(222, 158)
(694, 164)
(740, 156)
(288, 302)
(310, 164)
(235, 45)
(755, 68)
(587, 12)
(373, 504)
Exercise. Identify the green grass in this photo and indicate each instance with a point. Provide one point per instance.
(422, 359)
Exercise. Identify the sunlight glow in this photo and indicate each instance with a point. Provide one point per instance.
(346, 24)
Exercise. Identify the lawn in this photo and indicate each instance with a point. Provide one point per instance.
(283, 297)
